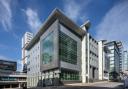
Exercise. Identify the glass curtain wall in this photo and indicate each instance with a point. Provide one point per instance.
(47, 49)
(67, 49)
(69, 75)
(68, 53)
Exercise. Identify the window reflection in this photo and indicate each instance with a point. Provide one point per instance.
(47, 51)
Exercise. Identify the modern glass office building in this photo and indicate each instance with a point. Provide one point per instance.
(55, 53)
(114, 56)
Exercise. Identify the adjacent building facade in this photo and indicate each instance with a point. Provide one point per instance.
(120, 46)
(34, 75)
(114, 56)
(103, 60)
(9, 78)
(7, 66)
(61, 52)
(125, 61)
(25, 40)
(92, 68)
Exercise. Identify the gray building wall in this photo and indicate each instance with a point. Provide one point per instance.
(33, 65)
(92, 50)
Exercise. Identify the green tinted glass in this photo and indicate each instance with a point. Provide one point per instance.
(48, 47)
(67, 49)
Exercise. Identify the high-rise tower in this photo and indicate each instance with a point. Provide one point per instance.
(25, 40)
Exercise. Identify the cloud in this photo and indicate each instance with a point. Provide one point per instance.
(74, 10)
(114, 25)
(19, 62)
(5, 14)
(32, 19)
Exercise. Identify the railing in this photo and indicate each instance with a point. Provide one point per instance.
(13, 81)
(19, 73)
(12, 73)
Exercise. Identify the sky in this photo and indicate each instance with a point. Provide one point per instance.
(109, 20)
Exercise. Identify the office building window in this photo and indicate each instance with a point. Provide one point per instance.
(47, 49)
(67, 49)
(69, 75)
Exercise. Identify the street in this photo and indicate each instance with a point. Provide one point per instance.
(98, 85)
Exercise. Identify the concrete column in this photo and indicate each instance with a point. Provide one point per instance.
(83, 60)
(83, 67)
(88, 57)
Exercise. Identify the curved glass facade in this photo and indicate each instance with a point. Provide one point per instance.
(48, 48)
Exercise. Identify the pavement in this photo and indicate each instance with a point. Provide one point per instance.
(97, 85)
(86, 84)
(108, 85)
